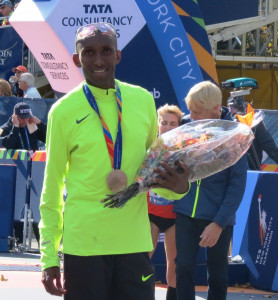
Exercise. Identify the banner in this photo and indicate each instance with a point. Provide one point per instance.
(192, 19)
(260, 243)
(10, 51)
(156, 51)
(174, 46)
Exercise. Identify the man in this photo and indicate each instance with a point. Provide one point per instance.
(27, 85)
(23, 130)
(6, 8)
(105, 250)
(263, 140)
(14, 80)
(206, 215)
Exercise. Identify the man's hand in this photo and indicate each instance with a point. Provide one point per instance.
(210, 235)
(15, 120)
(50, 275)
(176, 182)
(34, 120)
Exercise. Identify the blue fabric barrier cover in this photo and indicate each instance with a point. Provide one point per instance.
(7, 192)
(242, 212)
(260, 243)
(22, 159)
(11, 51)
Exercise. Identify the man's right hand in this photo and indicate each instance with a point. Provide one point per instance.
(50, 275)
(15, 120)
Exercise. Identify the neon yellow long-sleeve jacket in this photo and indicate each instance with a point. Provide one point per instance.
(76, 151)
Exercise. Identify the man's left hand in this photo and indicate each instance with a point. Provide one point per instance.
(34, 120)
(210, 235)
(172, 181)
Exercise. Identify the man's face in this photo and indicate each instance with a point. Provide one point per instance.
(18, 73)
(22, 85)
(5, 10)
(200, 113)
(167, 121)
(98, 56)
(23, 122)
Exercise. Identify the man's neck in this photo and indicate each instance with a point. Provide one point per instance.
(100, 86)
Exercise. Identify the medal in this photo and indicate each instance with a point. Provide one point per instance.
(116, 179)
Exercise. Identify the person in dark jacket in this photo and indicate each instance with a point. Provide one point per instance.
(206, 215)
(263, 140)
(23, 130)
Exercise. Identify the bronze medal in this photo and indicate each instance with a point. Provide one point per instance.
(116, 180)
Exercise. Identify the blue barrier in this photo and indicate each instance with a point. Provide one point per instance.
(7, 191)
(259, 244)
(22, 159)
(242, 212)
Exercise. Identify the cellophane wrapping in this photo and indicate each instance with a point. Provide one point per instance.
(205, 146)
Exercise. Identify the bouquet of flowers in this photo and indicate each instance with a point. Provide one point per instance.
(205, 146)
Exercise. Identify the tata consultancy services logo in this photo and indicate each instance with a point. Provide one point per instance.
(265, 233)
(124, 15)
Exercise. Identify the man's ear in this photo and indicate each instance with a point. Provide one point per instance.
(119, 56)
(75, 58)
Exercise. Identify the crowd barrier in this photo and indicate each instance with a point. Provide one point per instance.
(22, 160)
(20, 200)
(7, 188)
(259, 240)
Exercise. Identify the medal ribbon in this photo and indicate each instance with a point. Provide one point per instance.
(27, 139)
(115, 151)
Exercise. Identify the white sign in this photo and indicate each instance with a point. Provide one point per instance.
(48, 28)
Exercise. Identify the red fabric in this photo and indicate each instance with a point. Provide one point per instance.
(164, 211)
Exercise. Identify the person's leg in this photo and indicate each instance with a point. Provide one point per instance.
(155, 233)
(217, 263)
(88, 277)
(134, 277)
(171, 253)
(187, 241)
(36, 232)
(171, 293)
(18, 232)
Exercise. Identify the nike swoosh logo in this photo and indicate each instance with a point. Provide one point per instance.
(145, 278)
(79, 121)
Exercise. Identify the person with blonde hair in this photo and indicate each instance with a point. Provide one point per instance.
(161, 215)
(5, 88)
(204, 101)
(205, 216)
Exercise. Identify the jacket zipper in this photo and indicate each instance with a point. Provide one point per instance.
(196, 198)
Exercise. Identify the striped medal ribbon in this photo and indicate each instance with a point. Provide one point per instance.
(116, 179)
